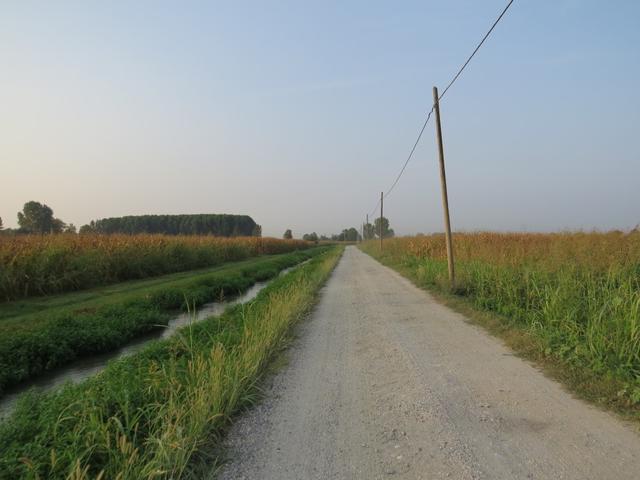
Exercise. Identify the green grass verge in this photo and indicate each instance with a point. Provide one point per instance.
(572, 325)
(34, 340)
(159, 413)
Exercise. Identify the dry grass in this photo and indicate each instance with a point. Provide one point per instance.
(594, 251)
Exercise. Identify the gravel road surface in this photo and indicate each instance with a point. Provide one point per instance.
(383, 382)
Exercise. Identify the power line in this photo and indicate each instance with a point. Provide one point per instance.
(413, 149)
(453, 80)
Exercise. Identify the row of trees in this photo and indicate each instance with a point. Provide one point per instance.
(370, 231)
(347, 235)
(202, 224)
(310, 237)
(37, 217)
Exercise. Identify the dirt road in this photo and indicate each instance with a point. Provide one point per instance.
(383, 382)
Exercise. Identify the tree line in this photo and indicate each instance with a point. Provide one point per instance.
(222, 225)
(352, 234)
(372, 231)
(38, 218)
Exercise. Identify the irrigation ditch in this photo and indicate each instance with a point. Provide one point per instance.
(161, 412)
(88, 366)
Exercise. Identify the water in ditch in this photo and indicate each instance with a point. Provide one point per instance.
(87, 366)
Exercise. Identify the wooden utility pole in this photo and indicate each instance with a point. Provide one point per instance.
(381, 215)
(443, 183)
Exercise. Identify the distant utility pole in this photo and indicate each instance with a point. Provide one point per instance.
(381, 215)
(367, 224)
(443, 183)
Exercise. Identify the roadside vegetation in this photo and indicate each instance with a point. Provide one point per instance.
(159, 413)
(568, 300)
(37, 335)
(49, 264)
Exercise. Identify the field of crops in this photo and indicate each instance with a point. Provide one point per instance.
(159, 412)
(47, 264)
(577, 294)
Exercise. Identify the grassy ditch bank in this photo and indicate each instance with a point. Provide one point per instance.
(33, 340)
(570, 302)
(156, 413)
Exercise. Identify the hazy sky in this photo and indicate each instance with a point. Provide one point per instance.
(299, 113)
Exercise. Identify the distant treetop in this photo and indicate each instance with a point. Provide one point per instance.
(36, 217)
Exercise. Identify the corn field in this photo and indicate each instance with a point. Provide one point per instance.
(48, 264)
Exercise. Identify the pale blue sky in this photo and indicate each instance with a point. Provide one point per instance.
(300, 113)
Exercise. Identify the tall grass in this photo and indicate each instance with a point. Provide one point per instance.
(159, 413)
(577, 293)
(34, 343)
(47, 264)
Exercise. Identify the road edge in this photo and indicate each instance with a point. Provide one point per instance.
(581, 383)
